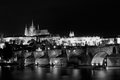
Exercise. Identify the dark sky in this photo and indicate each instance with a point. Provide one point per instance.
(98, 17)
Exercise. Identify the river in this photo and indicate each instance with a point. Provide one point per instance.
(57, 73)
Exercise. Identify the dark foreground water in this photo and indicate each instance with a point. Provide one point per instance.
(57, 73)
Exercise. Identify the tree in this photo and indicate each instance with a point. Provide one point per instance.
(7, 52)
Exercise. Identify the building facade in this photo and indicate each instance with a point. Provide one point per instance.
(35, 31)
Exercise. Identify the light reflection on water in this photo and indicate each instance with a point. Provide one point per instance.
(57, 73)
(0, 72)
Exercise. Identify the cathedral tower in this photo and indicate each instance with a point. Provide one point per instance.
(71, 34)
(32, 30)
(26, 31)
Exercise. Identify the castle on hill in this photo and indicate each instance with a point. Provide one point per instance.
(35, 31)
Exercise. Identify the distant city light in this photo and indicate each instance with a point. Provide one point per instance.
(74, 50)
(101, 63)
(48, 48)
(92, 64)
(2, 45)
(54, 46)
(96, 64)
(32, 32)
(56, 61)
(64, 46)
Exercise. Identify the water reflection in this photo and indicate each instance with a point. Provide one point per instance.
(99, 74)
(75, 74)
(112, 74)
(57, 73)
(0, 72)
(41, 73)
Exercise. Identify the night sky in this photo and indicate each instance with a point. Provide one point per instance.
(84, 17)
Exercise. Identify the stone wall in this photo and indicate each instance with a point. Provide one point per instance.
(94, 50)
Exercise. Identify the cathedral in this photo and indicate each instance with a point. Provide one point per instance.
(71, 34)
(33, 31)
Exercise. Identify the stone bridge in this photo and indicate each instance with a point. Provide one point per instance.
(99, 53)
(90, 55)
(87, 55)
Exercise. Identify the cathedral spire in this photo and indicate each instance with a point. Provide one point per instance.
(26, 30)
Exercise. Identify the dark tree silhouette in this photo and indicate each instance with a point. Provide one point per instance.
(7, 52)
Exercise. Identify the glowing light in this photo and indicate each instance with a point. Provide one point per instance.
(96, 64)
(55, 61)
(101, 63)
(2, 45)
(92, 64)
(64, 46)
(48, 48)
(74, 50)
(54, 46)
(118, 40)
(105, 60)
(36, 62)
(105, 64)
(58, 44)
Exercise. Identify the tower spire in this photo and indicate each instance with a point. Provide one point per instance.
(26, 30)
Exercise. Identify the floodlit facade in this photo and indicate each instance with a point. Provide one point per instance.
(71, 34)
(118, 40)
(73, 41)
(19, 39)
(33, 31)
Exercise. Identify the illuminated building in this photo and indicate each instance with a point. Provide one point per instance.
(33, 31)
(73, 41)
(71, 34)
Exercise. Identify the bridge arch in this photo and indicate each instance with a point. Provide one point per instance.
(99, 57)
